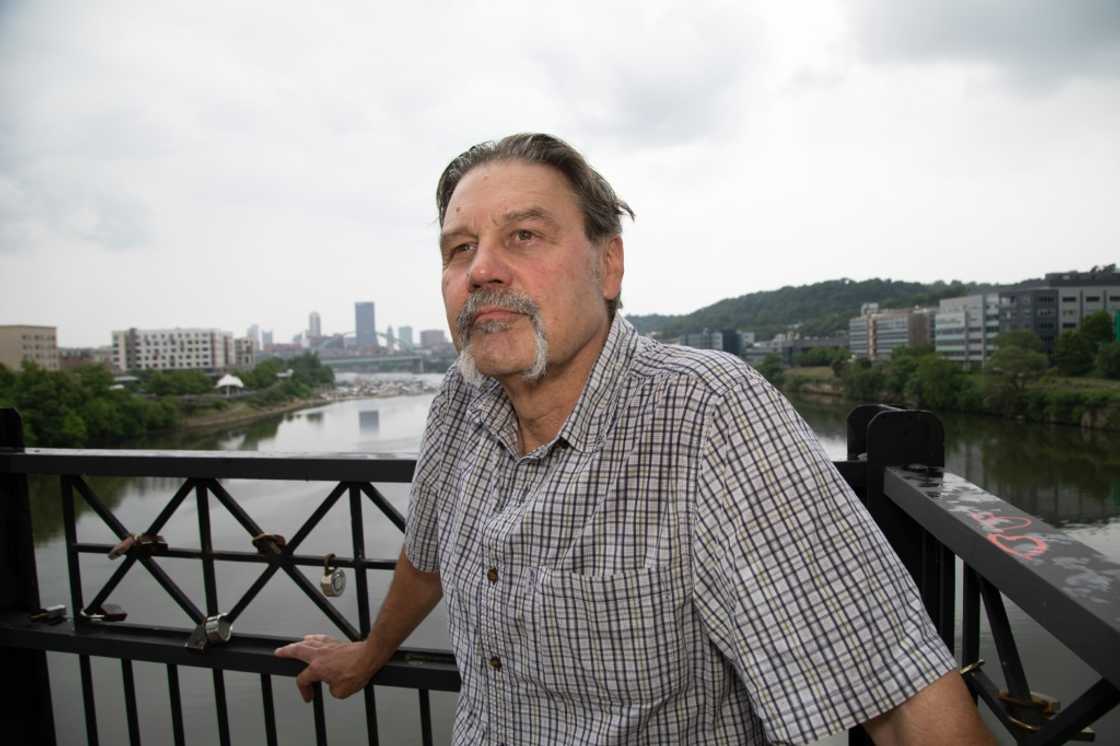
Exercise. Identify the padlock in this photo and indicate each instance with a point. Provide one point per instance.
(214, 630)
(334, 579)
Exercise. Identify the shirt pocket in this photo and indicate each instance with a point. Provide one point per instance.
(619, 637)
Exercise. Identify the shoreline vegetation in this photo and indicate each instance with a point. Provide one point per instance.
(1078, 384)
(85, 408)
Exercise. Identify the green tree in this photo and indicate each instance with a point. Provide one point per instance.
(1022, 338)
(771, 369)
(1108, 360)
(937, 383)
(1010, 370)
(1097, 329)
(1073, 353)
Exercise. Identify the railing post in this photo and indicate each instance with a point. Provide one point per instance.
(26, 715)
(893, 437)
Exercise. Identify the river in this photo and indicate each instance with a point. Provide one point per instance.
(1068, 477)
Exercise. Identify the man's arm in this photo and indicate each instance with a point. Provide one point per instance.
(941, 713)
(347, 667)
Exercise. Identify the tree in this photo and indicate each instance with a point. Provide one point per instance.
(1073, 353)
(1097, 329)
(936, 383)
(1108, 360)
(1010, 369)
(1022, 338)
(771, 369)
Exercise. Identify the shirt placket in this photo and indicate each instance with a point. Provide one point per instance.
(500, 572)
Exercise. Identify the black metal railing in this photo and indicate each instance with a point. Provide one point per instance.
(934, 520)
(25, 631)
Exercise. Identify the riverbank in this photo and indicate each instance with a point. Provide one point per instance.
(242, 412)
(1092, 404)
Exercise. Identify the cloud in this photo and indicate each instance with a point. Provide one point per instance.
(1037, 44)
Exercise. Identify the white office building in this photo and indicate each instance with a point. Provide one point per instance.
(965, 328)
(174, 349)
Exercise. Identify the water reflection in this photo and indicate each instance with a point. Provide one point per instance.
(1065, 475)
(369, 421)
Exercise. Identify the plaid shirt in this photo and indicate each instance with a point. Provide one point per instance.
(681, 565)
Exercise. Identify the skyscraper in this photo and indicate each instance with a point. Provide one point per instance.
(266, 340)
(314, 325)
(365, 324)
(254, 334)
(404, 336)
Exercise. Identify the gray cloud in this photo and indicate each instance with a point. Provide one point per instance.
(1037, 44)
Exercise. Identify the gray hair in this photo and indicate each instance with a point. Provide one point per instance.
(602, 208)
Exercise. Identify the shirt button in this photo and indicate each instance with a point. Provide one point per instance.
(492, 575)
(496, 663)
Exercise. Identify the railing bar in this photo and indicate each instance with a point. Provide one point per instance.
(1004, 638)
(947, 567)
(172, 505)
(316, 596)
(176, 705)
(220, 706)
(251, 593)
(384, 505)
(208, 578)
(371, 716)
(1090, 706)
(98, 507)
(269, 710)
(130, 702)
(425, 718)
(87, 700)
(314, 518)
(112, 583)
(234, 507)
(970, 617)
(72, 563)
(320, 719)
(307, 560)
(357, 532)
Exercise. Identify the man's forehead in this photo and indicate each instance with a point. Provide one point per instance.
(507, 188)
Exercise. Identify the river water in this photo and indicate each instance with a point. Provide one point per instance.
(1068, 477)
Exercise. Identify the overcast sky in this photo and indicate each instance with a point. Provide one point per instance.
(198, 164)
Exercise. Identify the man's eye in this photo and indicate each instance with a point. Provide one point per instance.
(459, 249)
(523, 235)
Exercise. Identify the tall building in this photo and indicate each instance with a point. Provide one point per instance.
(254, 335)
(365, 324)
(39, 344)
(876, 334)
(244, 353)
(433, 339)
(173, 349)
(404, 337)
(965, 328)
(1033, 309)
(1060, 302)
(266, 340)
(390, 340)
(314, 325)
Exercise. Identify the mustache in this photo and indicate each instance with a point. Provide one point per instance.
(506, 300)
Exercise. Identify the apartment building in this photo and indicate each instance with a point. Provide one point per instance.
(965, 328)
(174, 349)
(19, 342)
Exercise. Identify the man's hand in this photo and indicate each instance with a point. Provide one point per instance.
(941, 713)
(344, 666)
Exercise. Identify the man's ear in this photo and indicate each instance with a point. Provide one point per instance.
(612, 266)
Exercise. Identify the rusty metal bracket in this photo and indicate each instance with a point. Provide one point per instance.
(139, 544)
(270, 543)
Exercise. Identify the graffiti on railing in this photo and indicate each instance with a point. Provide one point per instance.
(1005, 531)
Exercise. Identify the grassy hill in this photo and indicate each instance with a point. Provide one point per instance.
(820, 309)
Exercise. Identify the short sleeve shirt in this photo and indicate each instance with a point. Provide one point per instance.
(681, 564)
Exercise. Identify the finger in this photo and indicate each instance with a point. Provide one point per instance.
(297, 650)
(316, 638)
(305, 683)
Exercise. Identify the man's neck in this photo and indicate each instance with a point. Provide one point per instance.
(543, 406)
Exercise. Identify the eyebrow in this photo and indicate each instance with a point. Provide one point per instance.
(513, 216)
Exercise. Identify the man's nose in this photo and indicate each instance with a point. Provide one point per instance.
(488, 265)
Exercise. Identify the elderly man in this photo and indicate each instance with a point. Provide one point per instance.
(638, 543)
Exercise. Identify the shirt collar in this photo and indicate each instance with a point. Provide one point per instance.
(590, 419)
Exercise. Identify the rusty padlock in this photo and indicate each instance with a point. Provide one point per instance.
(334, 579)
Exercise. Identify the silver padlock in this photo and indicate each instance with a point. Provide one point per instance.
(334, 579)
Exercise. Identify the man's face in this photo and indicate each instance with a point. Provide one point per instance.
(522, 284)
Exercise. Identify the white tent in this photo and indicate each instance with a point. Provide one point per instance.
(228, 383)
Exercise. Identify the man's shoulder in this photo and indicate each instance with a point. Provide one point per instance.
(704, 371)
